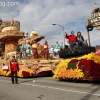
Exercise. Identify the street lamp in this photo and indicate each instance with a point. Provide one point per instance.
(63, 32)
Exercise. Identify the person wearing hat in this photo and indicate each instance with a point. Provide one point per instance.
(45, 50)
(14, 67)
(34, 49)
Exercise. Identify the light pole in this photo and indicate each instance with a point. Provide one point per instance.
(63, 32)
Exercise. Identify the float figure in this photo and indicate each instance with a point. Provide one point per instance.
(45, 50)
(34, 49)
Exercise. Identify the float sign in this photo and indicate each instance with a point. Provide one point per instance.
(94, 20)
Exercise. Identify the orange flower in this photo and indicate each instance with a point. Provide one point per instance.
(67, 73)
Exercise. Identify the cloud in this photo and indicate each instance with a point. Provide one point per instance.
(39, 15)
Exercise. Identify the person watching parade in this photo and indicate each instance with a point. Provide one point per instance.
(14, 67)
(45, 50)
(34, 49)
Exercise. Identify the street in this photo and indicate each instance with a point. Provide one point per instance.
(47, 88)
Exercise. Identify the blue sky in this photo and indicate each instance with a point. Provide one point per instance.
(39, 15)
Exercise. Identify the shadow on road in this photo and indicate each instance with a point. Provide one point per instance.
(88, 96)
(93, 83)
(80, 81)
(26, 81)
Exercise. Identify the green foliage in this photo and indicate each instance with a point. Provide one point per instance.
(72, 65)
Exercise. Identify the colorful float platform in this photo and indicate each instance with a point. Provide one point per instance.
(32, 68)
(86, 67)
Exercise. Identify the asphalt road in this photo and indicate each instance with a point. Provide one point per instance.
(47, 88)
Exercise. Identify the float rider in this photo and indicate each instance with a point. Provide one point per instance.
(28, 49)
(34, 49)
(71, 39)
(45, 50)
(21, 49)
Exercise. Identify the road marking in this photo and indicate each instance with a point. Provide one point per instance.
(41, 86)
(61, 89)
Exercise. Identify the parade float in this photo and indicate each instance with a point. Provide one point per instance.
(12, 37)
(93, 21)
(33, 68)
(83, 66)
(86, 67)
(34, 35)
(10, 34)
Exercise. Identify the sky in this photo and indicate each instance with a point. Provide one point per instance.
(39, 15)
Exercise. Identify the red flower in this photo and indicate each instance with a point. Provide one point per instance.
(87, 67)
(73, 61)
(25, 74)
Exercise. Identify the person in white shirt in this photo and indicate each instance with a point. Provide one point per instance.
(51, 51)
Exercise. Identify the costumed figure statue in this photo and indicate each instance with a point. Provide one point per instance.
(34, 49)
(45, 50)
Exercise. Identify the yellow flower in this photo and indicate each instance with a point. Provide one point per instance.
(63, 72)
(20, 73)
(8, 73)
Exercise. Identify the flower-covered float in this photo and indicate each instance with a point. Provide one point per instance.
(12, 37)
(86, 67)
(31, 68)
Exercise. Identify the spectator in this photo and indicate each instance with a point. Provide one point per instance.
(14, 67)
(80, 39)
(71, 39)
